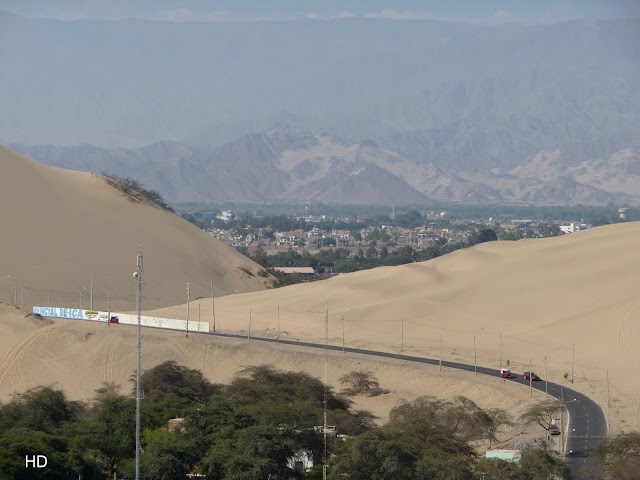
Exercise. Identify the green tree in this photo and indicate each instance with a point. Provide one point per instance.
(251, 453)
(270, 385)
(42, 409)
(619, 456)
(169, 378)
(375, 455)
(16, 443)
(508, 236)
(109, 433)
(360, 382)
(484, 235)
(542, 463)
(260, 257)
(168, 455)
(543, 413)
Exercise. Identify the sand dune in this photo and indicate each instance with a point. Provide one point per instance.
(58, 226)
(543, 296)
(79, 357)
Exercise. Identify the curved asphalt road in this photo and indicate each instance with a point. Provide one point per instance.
(587, 424)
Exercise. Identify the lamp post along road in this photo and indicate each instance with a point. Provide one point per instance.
(573, 361)
(530, 380)
(546, 377)
(138, 274)
(188, 301)
(213, 307)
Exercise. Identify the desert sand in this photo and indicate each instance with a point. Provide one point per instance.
(59, 226)
(79, 357)
(535, 301)
(545, 298)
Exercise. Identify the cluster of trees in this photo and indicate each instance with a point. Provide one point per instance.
(619, 456)
(340, 260)
(245, 430)
(594, 214)
(245, 223)
(251, 428)
(430, 439)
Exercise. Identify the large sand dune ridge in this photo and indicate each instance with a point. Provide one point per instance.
(544, 298)
(59, 226)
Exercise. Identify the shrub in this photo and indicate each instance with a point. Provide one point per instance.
(135, 191)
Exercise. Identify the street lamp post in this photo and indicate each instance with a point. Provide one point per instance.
(138, 274)
(91, 292)
(188, 304)
(573, 361)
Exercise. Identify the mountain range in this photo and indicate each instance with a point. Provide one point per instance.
(455, 94)
(293, 164)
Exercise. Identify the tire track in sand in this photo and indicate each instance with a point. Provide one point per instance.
(107, 361)
(625, 333)
(12, 358)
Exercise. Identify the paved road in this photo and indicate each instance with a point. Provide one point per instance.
(586, 427)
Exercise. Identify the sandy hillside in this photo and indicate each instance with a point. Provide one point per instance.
(79, 357)
(543, 295)
(58, 226)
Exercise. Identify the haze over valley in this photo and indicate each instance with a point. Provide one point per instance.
(464, 112)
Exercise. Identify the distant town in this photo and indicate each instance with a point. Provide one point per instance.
(308, 246)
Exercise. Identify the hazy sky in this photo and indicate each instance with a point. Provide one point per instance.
(475, 11)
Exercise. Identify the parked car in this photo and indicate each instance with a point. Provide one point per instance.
(114, 319)
(530, 375)
(554, 430)
(505, 373)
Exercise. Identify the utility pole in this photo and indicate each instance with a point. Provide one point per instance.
(188, 302)
(278, 321)
(22, 293)
(401, 334)
(109, 307)
(198, 317)
(573, 361)
(530, 380)
(48, 298)
(213, 307)
(342, 333)
(81, 299)
(546, 377)
(475, 356)
(562, 418)
(500, 350)
(326, 394)
(249, 332)
(91, 293)
(608, 406)
(440, 363)
(138, 275)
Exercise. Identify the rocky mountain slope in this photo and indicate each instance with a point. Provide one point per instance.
(293, 164)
